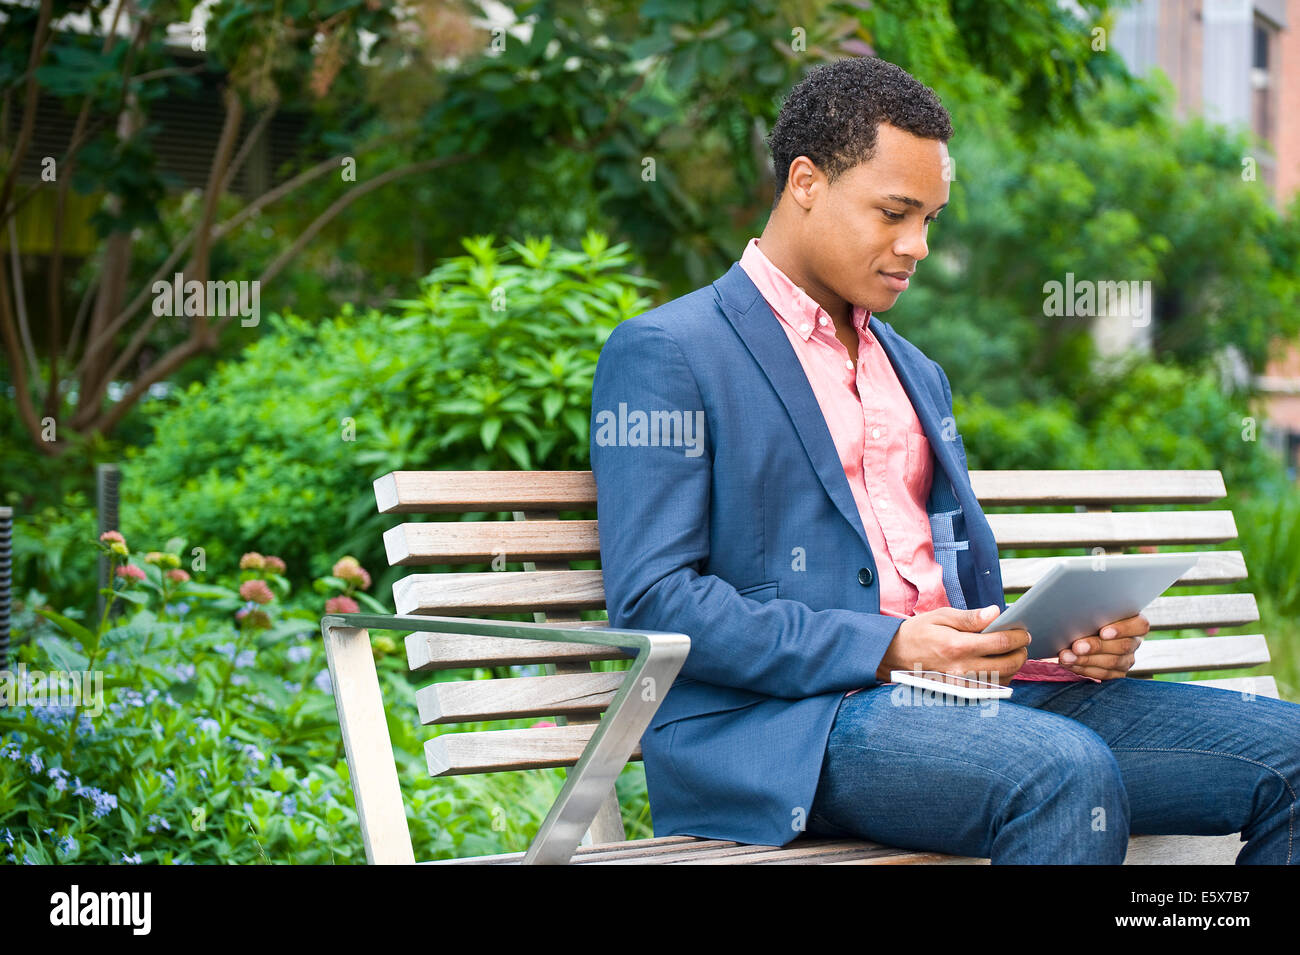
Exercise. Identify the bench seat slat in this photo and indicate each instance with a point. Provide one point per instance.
(689, 850)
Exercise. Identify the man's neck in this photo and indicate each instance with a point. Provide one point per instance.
(786, 258)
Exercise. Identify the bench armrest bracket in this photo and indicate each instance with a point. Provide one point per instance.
(658, 660)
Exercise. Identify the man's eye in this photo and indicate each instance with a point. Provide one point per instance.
(892, 216)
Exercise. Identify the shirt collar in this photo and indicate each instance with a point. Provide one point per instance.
(793, 306)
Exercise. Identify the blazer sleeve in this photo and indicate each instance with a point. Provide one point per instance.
(653, 505)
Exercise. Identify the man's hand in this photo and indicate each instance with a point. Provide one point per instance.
(950, 641)
(1108, 654)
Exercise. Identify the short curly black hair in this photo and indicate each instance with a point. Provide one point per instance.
(832, 115)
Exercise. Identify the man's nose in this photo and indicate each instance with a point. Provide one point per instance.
(912, 244)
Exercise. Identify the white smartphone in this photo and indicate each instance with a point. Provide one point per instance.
(947, 684)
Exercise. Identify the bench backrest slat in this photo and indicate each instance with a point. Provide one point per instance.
(999, 488)
(445, 542)
(494, 751)
(517, 697)
(506, 591)
(432, 492)
(1107, 529)
(1212, 567)
(455, 651)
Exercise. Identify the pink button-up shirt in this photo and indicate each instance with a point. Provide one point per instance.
(884, 450)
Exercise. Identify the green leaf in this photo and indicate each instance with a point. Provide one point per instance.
(518, 451)
(61, 653)
(70, 627)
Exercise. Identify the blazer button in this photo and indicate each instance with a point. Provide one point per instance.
(864, 577)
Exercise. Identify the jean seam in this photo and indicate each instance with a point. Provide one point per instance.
(1290, 831)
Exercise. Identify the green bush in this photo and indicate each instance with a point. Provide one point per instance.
(1144, 415)
(489, 368)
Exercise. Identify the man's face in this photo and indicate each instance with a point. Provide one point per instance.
(864, 234)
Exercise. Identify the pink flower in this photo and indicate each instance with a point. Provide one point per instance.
(252, 561)
(256, 590)
(341, 605)
(350, 569)
(541, 723)
(177, 575)
(109, 536)
(1211, 631)
(273, 564)
(131, 571)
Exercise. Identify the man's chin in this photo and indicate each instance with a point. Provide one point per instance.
(882, 303)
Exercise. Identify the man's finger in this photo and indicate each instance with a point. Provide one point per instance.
(1134, 626)
(1107, 661)
(1088, 646)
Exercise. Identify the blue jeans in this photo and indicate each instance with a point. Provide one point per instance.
(1062, 772)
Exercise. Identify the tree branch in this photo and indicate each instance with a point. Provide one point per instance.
(345, 200)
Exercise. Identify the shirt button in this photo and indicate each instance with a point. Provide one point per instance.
(848, 363)
(884, 502)
(804, 327)
(864, 576)
(823, 321)
(875, 432)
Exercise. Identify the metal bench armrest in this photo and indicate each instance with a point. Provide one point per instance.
(659, 658)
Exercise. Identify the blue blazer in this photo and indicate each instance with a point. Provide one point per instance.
(749, 542)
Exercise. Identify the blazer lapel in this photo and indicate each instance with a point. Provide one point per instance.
(762, 334)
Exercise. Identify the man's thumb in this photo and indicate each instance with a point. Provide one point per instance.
(980, 618)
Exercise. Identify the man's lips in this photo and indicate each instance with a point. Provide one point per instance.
(898, 281)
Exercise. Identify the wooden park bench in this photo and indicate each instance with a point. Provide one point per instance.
(600, 716)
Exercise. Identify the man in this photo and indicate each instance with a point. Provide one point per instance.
(779, 477)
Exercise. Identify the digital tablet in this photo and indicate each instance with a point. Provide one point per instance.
(1080, 595)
